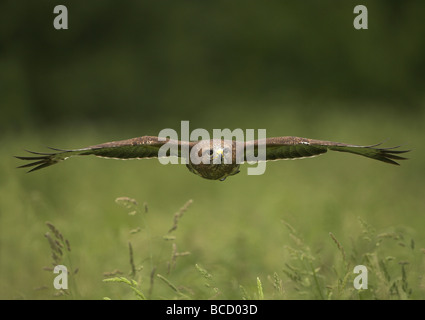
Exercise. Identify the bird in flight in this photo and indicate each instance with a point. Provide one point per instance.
(216, 159)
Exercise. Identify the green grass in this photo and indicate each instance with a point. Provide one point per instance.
(294, 233)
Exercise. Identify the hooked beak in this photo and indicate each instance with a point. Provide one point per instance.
(219, 153)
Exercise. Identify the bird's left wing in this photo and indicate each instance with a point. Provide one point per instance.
(297, 148)
(137, 148)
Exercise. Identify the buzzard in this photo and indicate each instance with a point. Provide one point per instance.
(216, 158)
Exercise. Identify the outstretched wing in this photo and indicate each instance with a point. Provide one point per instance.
(297, 148)
(137, 148)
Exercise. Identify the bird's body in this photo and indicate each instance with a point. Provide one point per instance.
(214, 159)
(214, 171)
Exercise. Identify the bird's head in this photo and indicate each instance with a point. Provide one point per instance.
(212, 152)
(213, 159)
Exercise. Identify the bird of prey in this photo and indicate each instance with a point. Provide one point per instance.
(216, 158)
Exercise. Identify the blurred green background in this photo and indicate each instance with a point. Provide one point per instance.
(131, 68)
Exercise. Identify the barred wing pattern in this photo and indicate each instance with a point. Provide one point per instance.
(137, 148)
(280, 148)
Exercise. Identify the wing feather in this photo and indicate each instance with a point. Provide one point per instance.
(382, 154)
(137, 148)
(280, 148)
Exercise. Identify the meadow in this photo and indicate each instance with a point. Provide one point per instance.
(142, 230)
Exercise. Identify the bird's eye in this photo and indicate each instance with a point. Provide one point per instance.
(208, 152)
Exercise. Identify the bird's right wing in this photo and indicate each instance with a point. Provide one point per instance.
(137, 148)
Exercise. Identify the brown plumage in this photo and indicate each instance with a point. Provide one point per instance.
(216, 159)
